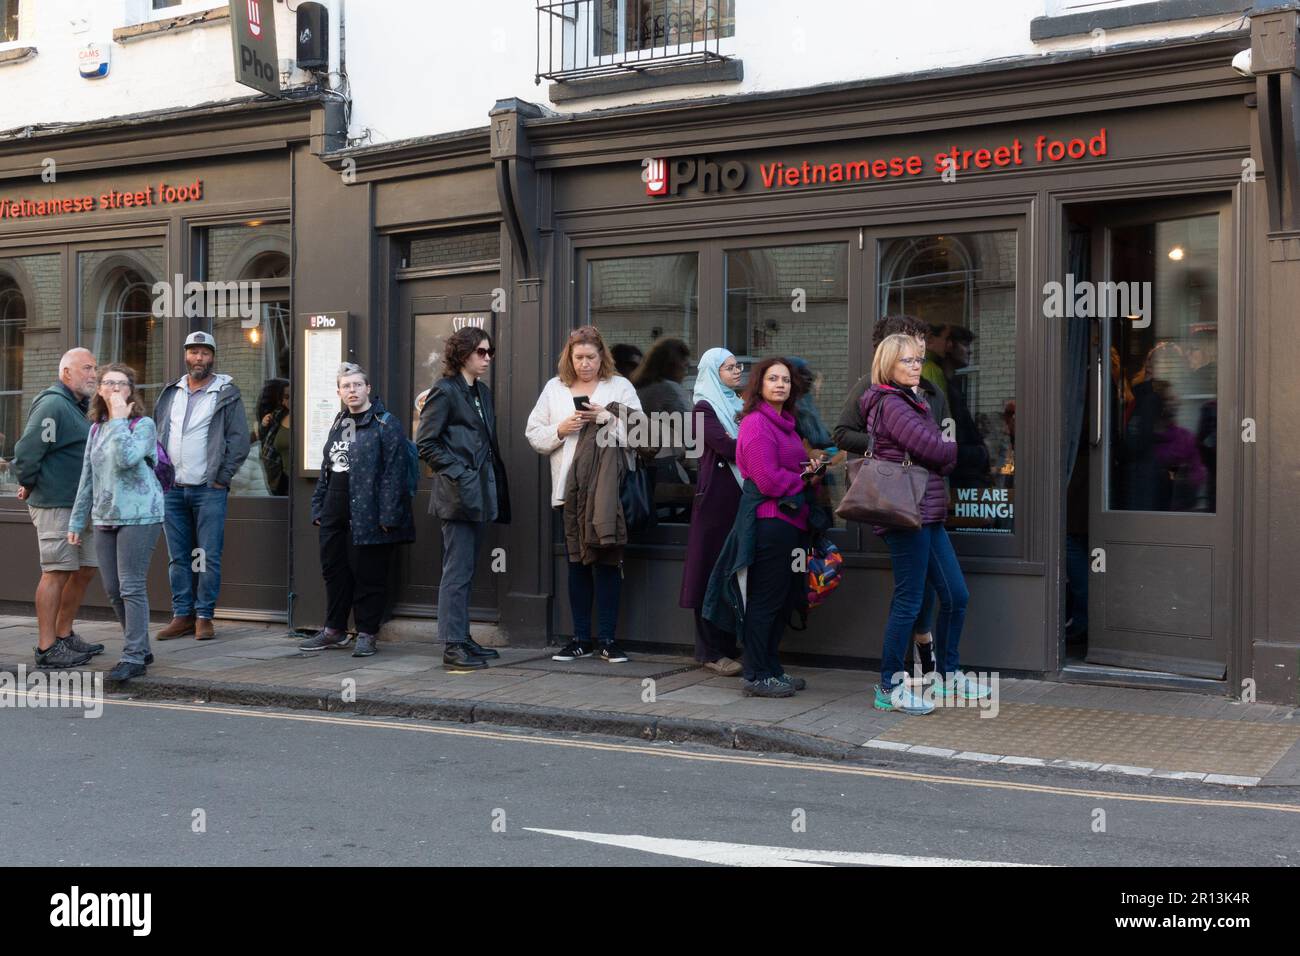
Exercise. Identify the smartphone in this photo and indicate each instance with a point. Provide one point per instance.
(580, 402)
(820, 466)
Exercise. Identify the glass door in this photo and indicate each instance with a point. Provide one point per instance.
(1160, 515)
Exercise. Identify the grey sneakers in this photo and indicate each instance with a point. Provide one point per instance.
(365, 645)
(80, 646)
(324, 638)
(60, 655)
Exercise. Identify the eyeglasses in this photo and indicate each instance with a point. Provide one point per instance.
(481, 352)
(114, 383)
(733, 367)
(914, 362)
(352, 387)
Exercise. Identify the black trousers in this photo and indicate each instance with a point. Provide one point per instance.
(356, 576)
(712, 642)
(771, 592)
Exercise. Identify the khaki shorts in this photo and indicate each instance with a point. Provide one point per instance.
(52, 532)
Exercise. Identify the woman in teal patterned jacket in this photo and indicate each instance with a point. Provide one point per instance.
(121, 495)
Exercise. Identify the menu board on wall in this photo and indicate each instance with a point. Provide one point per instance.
(323, 351)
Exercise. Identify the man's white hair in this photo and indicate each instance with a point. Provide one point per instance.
(69, 357)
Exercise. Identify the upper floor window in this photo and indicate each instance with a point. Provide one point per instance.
(579, 38)
(145, 11)
(8, 20)
(1060, 8)
(630, 26)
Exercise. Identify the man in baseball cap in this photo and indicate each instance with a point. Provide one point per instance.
(201, 423)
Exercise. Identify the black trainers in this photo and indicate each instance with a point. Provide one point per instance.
(611, 653)
(125, 670)
(459, 657)
(479, 650)
(60, 655)
(80, 646)
(768, 687)
(572, 651)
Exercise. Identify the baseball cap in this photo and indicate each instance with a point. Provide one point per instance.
(201, 338)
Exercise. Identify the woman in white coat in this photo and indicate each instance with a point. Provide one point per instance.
(586, 370)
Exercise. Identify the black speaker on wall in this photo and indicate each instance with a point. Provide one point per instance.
(313, 36)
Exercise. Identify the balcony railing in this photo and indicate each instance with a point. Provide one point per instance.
(582, 38)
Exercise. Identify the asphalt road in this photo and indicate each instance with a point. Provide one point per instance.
(150, 783)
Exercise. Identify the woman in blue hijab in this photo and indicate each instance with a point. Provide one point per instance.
(717, 499)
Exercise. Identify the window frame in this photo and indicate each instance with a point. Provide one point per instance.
(18, 11)
(581, 56)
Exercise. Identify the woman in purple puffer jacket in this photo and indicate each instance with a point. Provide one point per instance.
(902, 426)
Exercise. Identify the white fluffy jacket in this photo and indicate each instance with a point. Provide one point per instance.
(556, 404)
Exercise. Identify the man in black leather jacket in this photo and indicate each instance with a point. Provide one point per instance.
(458, 439)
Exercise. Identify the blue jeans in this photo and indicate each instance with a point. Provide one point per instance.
(195, 518)
(124, 554)
(925, 553)
(604, 582)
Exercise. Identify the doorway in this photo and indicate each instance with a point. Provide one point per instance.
(430, 310)
(1150, 491)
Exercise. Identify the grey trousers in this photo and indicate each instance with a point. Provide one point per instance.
(124, 555)
(461, 541)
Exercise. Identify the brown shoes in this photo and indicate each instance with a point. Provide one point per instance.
(724, 667)
(203, 629)
(179, 627)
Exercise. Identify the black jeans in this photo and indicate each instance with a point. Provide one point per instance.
(356, 576)
(772, 590)
(605, 583)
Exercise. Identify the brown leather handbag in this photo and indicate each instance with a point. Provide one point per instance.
(881, 492)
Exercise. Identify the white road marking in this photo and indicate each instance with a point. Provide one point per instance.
(745, 854)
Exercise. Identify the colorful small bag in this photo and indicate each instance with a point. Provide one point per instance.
(824, 574)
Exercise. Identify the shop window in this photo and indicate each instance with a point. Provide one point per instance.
(449, 248)
(118, 321)
(253, 342)
(646, 307)
(793, 301)
(13, 325)
(964, 287)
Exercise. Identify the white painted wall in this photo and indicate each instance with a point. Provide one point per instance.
(422, 67)
(175, 70)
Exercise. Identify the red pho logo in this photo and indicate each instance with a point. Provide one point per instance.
(655, 176)
(254, 18)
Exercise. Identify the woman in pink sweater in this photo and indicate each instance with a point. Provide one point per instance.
(770, 453)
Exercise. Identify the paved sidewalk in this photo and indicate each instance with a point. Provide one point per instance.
(661, 696)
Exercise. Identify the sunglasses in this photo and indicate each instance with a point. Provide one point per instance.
(481, 352)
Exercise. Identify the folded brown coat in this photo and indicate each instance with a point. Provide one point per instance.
(594, 529)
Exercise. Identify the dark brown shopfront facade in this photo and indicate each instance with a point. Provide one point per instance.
(787, 225)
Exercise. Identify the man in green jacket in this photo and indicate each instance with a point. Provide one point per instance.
(47, 461)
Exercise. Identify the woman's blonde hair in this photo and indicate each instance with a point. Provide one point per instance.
(585, 335)
(887, 354)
